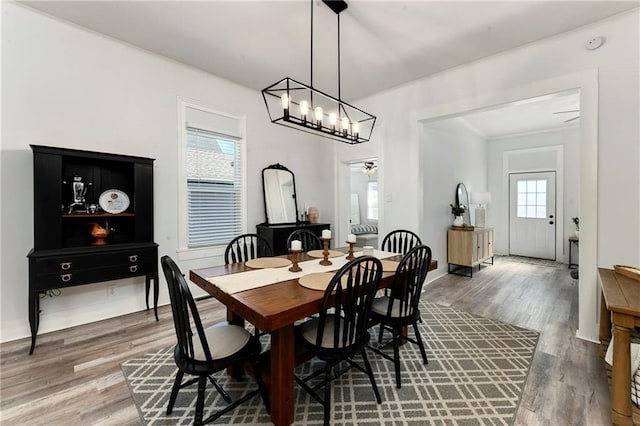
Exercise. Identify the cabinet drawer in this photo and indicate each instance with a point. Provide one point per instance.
(77, 262)
(46, 281)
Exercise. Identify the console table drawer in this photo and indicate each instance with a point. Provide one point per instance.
(71, 263)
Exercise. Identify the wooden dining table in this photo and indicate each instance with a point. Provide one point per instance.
(274, 309)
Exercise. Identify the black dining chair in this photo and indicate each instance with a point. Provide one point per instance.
(202, 352)
(401, 307)
(339, 332)
(400, 241)
(246, 247)
(309, 240)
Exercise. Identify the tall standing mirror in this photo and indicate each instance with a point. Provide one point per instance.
(462, 199)
(279, 187)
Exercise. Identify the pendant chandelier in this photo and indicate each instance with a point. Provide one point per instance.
(369, 168)
(303, 107)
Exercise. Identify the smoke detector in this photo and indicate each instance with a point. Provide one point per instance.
(594, 43)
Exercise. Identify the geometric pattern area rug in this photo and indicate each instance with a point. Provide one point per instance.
(476, 373)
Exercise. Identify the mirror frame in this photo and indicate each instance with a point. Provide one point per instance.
(280, 167)
(462, 198)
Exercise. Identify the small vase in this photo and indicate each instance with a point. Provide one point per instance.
(576, 233)
(458, 221)
(99, 234)
(314, 214)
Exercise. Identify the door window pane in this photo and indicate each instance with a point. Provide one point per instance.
(532, 199)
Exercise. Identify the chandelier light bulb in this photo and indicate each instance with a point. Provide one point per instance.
(356, 129)
(304, 109)
(285, 101)
(318, 113)
(333, 118)
(345, 125)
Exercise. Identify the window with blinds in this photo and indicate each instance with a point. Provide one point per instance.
(213, 186)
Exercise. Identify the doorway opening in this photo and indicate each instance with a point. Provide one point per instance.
(532, 215)
(583, 199)
(364, 210)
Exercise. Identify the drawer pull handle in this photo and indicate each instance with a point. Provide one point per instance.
(133, 268)
(65, 265)
(133, 258)
(65, 278)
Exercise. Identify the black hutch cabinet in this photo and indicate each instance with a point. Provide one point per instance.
(93, 222)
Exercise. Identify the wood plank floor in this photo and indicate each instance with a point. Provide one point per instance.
(74, 376)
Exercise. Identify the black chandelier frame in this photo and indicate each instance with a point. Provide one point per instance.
(318, 112)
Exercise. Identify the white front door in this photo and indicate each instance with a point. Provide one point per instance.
(532, 214)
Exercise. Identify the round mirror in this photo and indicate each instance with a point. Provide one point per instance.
(462, 199)
(279, 186)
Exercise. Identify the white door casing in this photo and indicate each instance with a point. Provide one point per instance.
(532, 214)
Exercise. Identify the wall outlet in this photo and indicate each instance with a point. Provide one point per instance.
(111, 290)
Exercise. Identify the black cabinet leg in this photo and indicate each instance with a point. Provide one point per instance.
(34, 317)
(147, 282)
(155, 295)
(147, 287)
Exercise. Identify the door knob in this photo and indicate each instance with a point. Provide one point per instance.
(550, 216)
(550, 222)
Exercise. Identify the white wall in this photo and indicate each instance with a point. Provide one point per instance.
(451, 153)
(569, 140)
(66, 87)
(521, 71)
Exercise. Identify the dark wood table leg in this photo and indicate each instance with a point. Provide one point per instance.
(281, 376)
(237, 370)
(620, 377)
(605, 326)
(34, 317)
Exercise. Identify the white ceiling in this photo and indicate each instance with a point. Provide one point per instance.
(544, 113)
(383, 43)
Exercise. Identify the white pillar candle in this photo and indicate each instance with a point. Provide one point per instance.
(326, 234)
(351, 238)
(296, 245)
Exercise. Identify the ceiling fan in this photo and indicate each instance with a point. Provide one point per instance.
(369, 168)
(569, 111)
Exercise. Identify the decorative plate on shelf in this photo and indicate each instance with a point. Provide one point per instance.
(113, 201)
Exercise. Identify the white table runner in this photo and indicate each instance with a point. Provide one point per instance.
(242, 281)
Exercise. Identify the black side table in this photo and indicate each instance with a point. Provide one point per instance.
(572, 241)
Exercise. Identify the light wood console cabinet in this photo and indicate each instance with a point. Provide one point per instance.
(468, 248)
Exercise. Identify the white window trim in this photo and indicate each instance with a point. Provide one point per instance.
(183, 251)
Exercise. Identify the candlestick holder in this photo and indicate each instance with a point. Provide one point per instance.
(294, 260)
(325, 253)
(350, 256)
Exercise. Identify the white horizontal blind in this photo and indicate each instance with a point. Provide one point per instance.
(214, 187)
